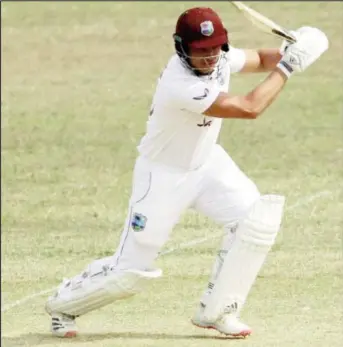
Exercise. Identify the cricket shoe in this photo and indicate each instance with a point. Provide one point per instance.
(227, 324)
(63, 325)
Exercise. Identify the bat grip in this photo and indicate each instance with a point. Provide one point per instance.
(289, 37)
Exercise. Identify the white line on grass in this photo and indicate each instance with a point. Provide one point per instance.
(191, 243)
(307, 199)
(25, 299)
(300, 202)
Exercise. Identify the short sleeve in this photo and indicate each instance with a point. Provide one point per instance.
(194, 95)
(237, 59)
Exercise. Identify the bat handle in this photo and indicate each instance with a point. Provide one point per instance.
(287, 36)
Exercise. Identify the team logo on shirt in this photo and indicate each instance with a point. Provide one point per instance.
(205, 123)
(203, 96)
(138, 222)
(207, 28)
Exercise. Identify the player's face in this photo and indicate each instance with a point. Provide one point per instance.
(204, 59)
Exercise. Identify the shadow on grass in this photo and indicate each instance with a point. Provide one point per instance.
(36, 339)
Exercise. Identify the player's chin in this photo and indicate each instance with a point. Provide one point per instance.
(207, 70)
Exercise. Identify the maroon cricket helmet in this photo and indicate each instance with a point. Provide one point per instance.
(200, 27)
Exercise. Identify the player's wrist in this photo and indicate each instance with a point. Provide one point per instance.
(285, 68)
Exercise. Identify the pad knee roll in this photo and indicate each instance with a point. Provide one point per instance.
(261, 226)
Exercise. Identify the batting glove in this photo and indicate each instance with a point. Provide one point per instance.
(311, 44)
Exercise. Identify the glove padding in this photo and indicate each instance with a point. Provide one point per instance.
(311, 44)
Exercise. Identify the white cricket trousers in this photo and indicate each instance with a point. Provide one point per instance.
(160, 194)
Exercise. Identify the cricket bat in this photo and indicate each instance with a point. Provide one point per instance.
(263, 23)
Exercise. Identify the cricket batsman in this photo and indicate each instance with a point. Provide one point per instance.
(181, 166)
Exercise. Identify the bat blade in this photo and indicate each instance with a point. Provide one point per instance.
(263, 23)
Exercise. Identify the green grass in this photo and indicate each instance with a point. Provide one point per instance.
(77, 81)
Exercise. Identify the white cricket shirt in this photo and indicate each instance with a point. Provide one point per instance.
(178, 134)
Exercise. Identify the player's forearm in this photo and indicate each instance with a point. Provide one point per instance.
(265, 93)
(269, 58)
(249, 106)
(262, 60)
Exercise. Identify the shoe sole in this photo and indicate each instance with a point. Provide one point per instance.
(243, 333)
(67, 335)
(70, 334)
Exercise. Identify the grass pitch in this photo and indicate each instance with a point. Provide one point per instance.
(77, 81)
